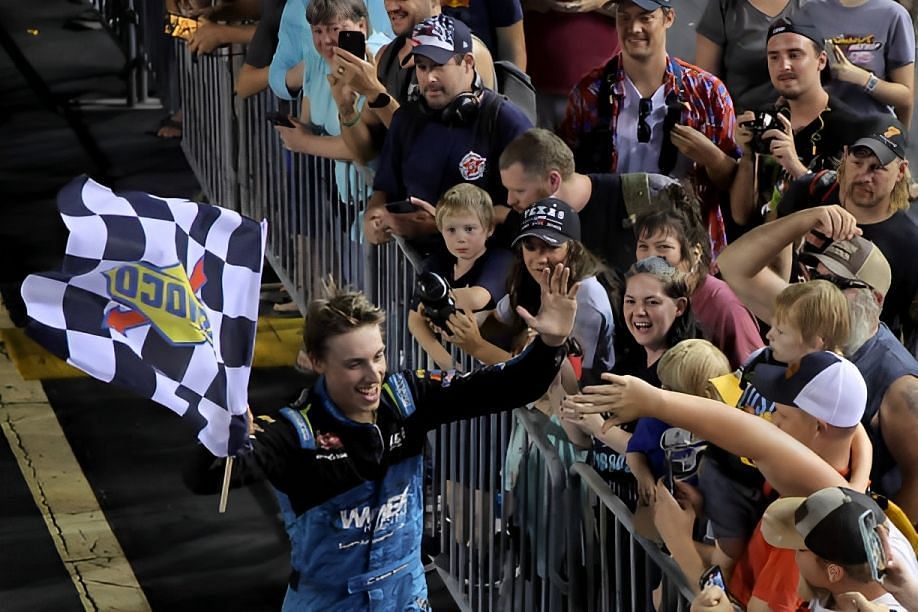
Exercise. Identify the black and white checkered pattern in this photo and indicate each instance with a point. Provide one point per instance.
(204, 382)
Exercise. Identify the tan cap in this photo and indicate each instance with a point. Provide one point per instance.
(857, 258)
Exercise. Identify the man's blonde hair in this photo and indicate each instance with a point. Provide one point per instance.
(689, 366)
(817, 309)
(466, 199)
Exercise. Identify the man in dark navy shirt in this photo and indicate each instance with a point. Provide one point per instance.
(454, 133)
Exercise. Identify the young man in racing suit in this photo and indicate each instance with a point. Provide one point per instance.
(347, 461)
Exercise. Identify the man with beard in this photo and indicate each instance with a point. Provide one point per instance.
(454, 133)
(388, 80)
(872, 185)
(811, 129)
(859, 268)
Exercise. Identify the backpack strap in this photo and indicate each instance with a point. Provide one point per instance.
(823, 185)
(302, 425)
(668, 152)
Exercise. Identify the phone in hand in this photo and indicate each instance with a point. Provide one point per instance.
(712, 576)
(278, 118)
(402, 207)
(876, 555)
(354, 42)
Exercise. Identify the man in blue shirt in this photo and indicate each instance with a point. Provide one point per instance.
(454, 133)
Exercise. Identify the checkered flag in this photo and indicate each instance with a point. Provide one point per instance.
(158, 295)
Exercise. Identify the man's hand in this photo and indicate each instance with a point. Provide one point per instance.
(359, 74)
(783, 149)
(695, 145)
(206, 38)
(712, 599)
(412, 225)
(555, 320)
(833, 222)
(626, 398)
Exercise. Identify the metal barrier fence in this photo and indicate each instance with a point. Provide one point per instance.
(544, 544)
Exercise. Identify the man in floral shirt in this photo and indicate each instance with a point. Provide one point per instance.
(645, 111)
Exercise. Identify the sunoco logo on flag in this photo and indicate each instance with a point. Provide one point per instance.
(158, 295)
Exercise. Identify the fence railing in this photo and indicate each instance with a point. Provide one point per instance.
(555, 538)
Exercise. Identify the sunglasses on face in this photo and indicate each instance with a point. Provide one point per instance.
(643, 128)
(840, 281)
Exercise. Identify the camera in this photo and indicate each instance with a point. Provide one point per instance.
(764, 120)
(433, 291)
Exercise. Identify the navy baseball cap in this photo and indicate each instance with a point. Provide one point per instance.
(652, 5)
(441, 38)
(551, 220)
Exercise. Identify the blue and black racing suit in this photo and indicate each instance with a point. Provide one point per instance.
(351, 493)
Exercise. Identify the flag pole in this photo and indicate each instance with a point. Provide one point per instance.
(224, 491)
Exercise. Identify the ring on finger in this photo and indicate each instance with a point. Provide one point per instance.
(340, 69)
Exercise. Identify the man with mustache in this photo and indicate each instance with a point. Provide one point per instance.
(872, 184)
(811, 129)
(454, 133)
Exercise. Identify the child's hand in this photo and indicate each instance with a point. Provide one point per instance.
(463, 330)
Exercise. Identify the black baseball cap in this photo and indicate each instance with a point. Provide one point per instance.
(551, 220)
(798, 25)
(888, 143)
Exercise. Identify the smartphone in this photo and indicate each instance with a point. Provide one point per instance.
(354, 42)
(402, 207)
(876, 556)
(279, 118)
(712, 576)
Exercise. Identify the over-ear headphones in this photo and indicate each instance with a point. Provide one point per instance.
(462, 110)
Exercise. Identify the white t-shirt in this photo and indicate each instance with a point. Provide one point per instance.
(634, 156)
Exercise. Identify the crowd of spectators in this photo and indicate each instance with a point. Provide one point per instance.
(738, 227)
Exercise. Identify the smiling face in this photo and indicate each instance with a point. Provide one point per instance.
(464, 236)
(325, 35)
(538, 255)
(794, 64)
(354, 366)
(649, 312)
(525, 188)
(405, 14)
(642, 33)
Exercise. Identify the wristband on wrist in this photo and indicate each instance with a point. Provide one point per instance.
(351, 122)
(871, 85)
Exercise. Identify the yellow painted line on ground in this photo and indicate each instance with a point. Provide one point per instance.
(276, 344)
(84, 540)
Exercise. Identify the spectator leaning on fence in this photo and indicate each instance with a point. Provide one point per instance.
(858, 268)
(647, 111)
(388, 79)
(454, 133)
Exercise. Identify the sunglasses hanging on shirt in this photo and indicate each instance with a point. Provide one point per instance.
(643, 128)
